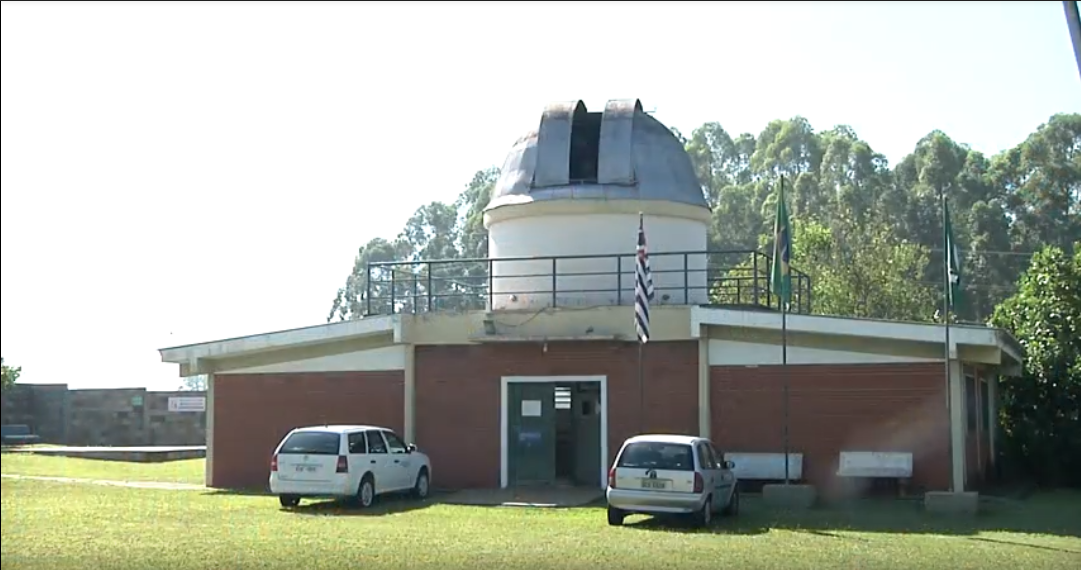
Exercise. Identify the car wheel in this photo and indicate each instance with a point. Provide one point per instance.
(704, 517)
(366, 492)
(732, 509)
(289, 501)
(615, 516)
(421, 487)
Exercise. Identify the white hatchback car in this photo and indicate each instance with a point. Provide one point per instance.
(352, 461)
(671, 474)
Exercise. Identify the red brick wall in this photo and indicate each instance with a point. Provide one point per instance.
(458, 391)
(252, 412)
(869, 407)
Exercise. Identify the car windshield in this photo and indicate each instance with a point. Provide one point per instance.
(312, 443)
(657, 455)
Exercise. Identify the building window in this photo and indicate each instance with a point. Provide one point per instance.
(985, 407)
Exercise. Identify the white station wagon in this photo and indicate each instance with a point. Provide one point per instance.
(671, 474)
(351, 461)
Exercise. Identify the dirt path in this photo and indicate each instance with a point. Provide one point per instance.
(130, 484)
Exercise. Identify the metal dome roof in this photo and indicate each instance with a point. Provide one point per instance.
(622, 153)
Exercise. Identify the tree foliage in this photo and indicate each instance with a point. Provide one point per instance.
(10, 374)
(874, 232)
(1040, 409)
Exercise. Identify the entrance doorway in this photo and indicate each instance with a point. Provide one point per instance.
(554, 430)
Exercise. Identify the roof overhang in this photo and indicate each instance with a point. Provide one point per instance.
(1010, 352)
(194, 358)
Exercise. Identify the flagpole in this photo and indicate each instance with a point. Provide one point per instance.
(784, 372)
(641, 391)
(946, 252)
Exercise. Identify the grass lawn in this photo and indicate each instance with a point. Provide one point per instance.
(188, 471)
(57, 526)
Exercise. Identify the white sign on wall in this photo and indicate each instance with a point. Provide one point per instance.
(531, 408)
(187, 403)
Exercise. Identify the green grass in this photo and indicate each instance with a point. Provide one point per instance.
(188, 471)
(59, 526)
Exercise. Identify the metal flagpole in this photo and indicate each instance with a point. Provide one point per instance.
(1073, 21)
(784, 372)
(641, 391)
(643, 293)
(786, 289)
(947, 254)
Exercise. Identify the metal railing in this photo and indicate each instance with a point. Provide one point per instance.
(724, 278)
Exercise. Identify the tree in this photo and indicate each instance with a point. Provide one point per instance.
(869, 223)
(194, 383)
(10, 374)
(1039, 412)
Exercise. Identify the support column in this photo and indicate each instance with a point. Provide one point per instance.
(992, 415)
(409, 395)
(958, 425)
(705, 418)
(209, 473)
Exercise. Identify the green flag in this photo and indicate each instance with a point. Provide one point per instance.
(953, 260)
(780, 278)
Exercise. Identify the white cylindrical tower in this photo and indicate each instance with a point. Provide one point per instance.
(563, 218)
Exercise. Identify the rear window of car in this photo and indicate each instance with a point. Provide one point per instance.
(657, 455)
(312, 443)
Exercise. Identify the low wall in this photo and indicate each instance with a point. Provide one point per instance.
(103, 417)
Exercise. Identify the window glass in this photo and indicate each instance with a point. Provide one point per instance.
(657, 455)
(312, 443)
(357, 444)
(394, 442)
(375, 442)
(704, 459)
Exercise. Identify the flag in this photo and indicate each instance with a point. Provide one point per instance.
(953, 259)
(780, 273)
(643, 286)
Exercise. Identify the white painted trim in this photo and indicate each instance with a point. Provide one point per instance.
(724, 352)
(861, 328)
(504, 419)
(318, 334)
(380, 359)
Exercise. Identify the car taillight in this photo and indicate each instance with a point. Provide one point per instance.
(699, 483)
(343, 464)
(274, 463)
(612, 477)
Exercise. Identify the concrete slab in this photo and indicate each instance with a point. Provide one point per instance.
(950, 503)
(541, 496)
(142, 454)
(789, 497)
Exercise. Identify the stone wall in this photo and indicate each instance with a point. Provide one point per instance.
(106, 417)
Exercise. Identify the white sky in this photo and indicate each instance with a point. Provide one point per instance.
(184, 172)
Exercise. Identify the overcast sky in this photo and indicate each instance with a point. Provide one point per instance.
(184, 172)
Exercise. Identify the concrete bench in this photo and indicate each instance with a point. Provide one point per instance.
(765, 466)
(17, 434)
(895, 465)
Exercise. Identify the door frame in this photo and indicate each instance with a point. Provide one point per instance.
(504, 418)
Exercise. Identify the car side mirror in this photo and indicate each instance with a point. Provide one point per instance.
(729, 464)
(410, 448)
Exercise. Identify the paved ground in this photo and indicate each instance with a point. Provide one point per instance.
(131, 484)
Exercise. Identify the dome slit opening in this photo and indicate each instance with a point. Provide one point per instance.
(585, 147)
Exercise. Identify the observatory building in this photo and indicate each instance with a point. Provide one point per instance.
(523, 368)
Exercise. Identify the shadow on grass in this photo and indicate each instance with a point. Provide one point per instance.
(384, 505)
(1053, 514)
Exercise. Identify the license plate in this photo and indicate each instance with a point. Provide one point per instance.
(654, 484)
(303, 468)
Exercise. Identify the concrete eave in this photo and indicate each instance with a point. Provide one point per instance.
(190, 355)
(967, 335)
(564, 338)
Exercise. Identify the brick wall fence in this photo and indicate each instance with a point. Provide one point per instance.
(105, 417)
